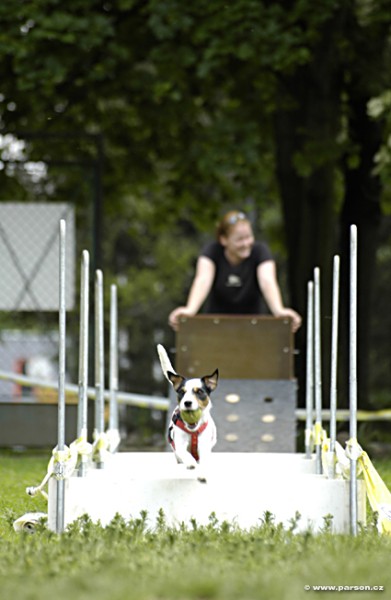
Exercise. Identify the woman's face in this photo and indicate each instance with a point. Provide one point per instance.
(238, 242)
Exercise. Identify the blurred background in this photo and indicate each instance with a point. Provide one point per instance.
(142, 122)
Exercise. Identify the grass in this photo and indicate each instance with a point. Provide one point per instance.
(127, 561)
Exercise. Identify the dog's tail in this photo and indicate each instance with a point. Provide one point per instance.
(165, 361)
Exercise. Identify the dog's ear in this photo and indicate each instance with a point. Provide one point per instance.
(210, 381)
(175, 379)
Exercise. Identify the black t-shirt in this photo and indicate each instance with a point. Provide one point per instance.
(235, 289)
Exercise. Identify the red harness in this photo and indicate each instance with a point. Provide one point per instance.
(179, 422)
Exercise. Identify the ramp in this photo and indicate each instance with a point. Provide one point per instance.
(241, 488)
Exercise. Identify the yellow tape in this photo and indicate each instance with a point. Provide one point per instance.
(353, 449)
(62, 464)
(378, 494)
(82, 447)
(329, 459)
(100, 447)
(373, 415)
(344, 415)
(318, 433)
(309, 438)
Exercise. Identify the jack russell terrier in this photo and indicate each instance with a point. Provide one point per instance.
(192, 431)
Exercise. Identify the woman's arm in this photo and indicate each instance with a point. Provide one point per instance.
(267, 280)
(200, 288)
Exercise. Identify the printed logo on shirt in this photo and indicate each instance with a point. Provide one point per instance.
(233, 281)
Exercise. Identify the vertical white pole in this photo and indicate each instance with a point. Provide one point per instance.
(309, 371)
(353, 375)
(82, 427)
(318, 373)
(99, 357)
(59, 468)
(334, 364)
(113, 420)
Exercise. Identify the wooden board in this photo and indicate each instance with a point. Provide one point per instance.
(241, 347)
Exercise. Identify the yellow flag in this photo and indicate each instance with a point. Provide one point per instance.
(378, 494)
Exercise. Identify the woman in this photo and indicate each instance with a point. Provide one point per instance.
(235, 274)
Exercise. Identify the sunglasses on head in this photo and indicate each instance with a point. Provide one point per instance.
(240, 216)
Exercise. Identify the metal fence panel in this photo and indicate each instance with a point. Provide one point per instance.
(29, 250)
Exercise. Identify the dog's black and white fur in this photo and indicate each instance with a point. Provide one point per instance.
(191, 442)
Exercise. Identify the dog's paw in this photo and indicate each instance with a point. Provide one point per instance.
(202, 478)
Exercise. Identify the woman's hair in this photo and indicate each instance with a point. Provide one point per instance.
(228, 221)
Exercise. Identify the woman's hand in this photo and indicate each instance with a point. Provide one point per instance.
(176, 314)
(292, 314)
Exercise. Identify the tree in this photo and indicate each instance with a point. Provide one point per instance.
(202, 105)
(324, 131)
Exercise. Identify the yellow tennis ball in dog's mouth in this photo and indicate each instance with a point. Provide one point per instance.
(191, 416)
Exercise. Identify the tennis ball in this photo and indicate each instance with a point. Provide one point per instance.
(191, 416)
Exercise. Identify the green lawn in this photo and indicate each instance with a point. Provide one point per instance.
(125, 561)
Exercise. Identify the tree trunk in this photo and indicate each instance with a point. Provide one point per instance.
(306, 158)
(362, 208)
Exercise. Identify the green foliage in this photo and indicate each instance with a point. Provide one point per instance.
(174, 87)
(179, 89)
(379, 109)
(19, 471)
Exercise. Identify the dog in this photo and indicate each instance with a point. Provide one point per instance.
(192, 431)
